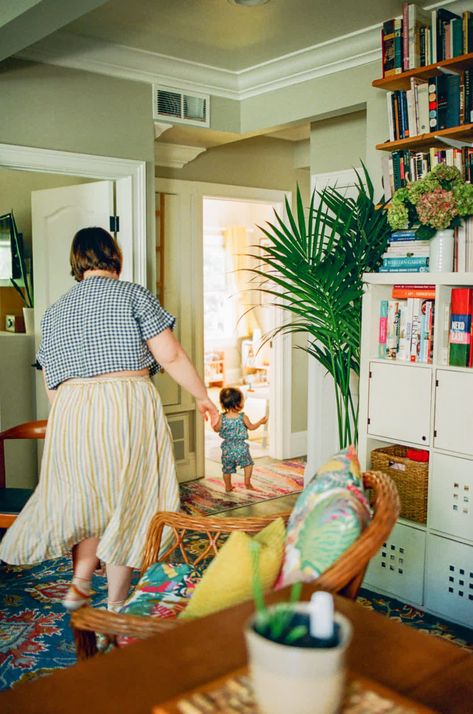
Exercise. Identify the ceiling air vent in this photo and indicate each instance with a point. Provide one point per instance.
(183, 107)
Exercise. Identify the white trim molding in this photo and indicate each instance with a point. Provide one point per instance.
(336, 55)
(175, 156)
(298, 444)
(100, 167)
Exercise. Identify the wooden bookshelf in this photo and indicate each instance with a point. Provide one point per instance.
(403, 80)
(425, 141)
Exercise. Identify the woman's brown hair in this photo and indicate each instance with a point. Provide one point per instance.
(94, 249)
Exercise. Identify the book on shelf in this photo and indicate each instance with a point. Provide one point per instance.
(406, 330)
(403, 269)
(391, 40)
(402, 166)
(406, 261)
(413, 291)
(459, 339)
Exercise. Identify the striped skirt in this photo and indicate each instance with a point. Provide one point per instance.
(107, 468)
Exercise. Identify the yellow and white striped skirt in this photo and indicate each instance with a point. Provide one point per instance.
(107, 468)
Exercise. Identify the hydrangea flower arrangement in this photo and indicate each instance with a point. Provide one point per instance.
(438, 201)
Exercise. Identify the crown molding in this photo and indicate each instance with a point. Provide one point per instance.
(175, 156)
(160, 127)
(326, 58)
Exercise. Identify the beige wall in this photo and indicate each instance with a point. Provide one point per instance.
(68, 110)
(338, 143)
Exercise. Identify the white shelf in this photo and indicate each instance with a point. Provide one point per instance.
(418, 279)
(410, 403)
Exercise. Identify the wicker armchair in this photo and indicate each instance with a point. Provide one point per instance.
(344, 576)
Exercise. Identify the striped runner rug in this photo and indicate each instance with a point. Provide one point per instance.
(271, 480)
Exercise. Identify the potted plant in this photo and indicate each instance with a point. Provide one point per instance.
(315, 263)
(296, 652)
(25, 292)
(435, 206)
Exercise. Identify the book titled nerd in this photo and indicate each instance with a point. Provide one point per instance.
(460, 327)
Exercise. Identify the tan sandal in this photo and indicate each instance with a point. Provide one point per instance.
(75, 598)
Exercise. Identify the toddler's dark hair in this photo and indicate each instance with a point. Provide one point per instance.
(231, 398)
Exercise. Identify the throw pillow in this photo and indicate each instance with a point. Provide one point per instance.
(328, 517)
(228, 579)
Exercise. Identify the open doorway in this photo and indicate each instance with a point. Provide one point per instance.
(237, 317)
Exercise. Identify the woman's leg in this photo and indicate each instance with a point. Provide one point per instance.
(85, 562)
(119, 578)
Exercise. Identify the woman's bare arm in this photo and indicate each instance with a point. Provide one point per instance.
(168, 351)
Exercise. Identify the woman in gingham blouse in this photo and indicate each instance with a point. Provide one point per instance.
(107, 465)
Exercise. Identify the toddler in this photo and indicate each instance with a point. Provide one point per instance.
(233, 427)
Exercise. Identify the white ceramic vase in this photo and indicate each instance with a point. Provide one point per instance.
(441, 251)
(28, 316)
(298, 680)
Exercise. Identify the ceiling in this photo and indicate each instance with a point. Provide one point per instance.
(218, 34)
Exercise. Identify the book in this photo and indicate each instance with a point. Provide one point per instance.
(392, 329)
(442, 20)
(426, 331)
(459, 339)
(406, 262)
(391, 269)
(421, 103)
(416, 312)
(383, 323)
(467, 23)
(392, 47)
(433, 104)
(456, 30)
(448, 100)
(404, 332)
(413, 291)
(416, 19)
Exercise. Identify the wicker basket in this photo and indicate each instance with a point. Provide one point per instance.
(410, 477)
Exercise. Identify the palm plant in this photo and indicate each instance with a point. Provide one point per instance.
(313, 268)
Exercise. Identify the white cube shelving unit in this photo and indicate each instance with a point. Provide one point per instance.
(428, 406)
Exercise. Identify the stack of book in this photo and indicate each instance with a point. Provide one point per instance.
(401, 167)
(421, 38)
(430, 105)
(406, 326)
(460, 335)
(406, 254)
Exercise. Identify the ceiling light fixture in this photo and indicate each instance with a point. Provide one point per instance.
(248, 3)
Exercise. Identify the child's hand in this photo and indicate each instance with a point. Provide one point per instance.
(264, 420)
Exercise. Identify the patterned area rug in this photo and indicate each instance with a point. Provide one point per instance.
(207, 496)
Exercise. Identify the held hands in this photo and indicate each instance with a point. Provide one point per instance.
(208, 410)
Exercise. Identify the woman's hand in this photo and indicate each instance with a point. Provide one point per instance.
(208, 410)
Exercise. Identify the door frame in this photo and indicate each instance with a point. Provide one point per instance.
(281, 375)
(28, 158)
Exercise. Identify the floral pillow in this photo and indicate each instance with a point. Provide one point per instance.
(328, 517)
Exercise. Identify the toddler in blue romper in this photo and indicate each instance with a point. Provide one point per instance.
(233, 427)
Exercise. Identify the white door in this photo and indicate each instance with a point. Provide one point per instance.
(322, 426)
(453, 430)
(56, 216)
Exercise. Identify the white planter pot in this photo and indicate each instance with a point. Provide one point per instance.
(296, 679)
(441, 251)
(28, 316)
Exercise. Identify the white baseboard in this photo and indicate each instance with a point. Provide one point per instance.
(298, 444)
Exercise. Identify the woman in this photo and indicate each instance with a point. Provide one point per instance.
(108, 464)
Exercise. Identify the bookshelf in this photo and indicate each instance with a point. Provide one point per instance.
(403, 80)
(425, 141)
(214, 364)
(428, 407)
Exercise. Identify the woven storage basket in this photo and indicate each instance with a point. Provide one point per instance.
(410, 477)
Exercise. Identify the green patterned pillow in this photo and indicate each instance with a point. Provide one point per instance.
(328, 517)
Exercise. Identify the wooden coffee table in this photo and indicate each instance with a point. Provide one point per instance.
(422, 668)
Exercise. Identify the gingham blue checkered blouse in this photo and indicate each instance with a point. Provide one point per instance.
(101, 325)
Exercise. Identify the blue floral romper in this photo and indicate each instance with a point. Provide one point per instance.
(235, 450)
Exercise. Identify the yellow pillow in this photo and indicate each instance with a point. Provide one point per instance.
(228, 579)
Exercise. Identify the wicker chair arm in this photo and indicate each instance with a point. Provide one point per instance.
(112, 624)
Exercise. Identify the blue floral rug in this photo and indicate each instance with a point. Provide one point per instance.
(35, 637)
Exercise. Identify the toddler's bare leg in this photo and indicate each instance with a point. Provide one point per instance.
(227, 478)
(248, 470)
